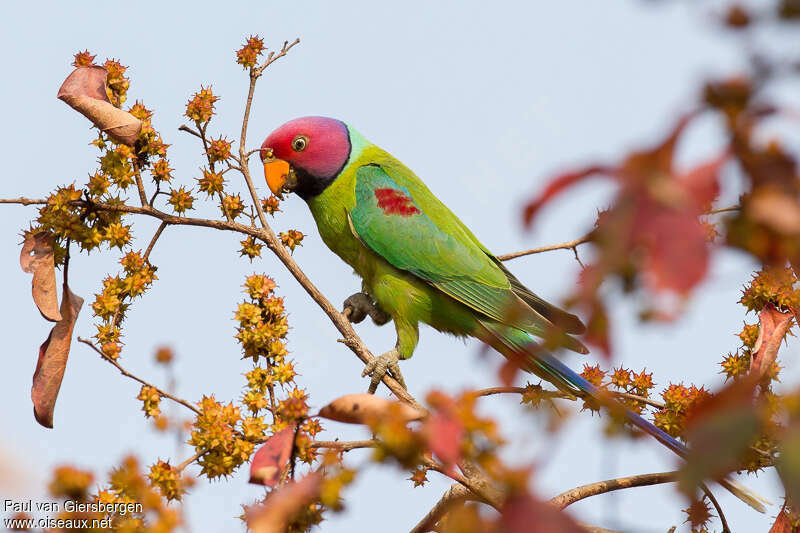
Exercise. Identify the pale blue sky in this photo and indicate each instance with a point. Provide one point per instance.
(482, 101)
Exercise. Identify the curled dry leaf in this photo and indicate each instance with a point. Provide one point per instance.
(282, 504)
(361, 408)
(773, 326)
(36, 257)
(84, 90)
(270, 460)
(53, 356)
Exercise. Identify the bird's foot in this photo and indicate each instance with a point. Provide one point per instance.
(378, 367)
(359, 305)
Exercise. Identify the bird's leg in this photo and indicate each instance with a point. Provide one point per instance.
(377, 368)
(359, 305)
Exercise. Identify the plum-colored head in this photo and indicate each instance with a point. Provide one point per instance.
(316, 148)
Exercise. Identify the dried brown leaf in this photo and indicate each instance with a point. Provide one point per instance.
(270, 460)
(84, 90)
(775, 209)
(361, 408)
(37, 257)
(52, 361)
(772, 330)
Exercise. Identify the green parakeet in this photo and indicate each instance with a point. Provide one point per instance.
(419, 263)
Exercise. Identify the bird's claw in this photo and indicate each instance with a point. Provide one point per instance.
(357, 306)
(378, 367)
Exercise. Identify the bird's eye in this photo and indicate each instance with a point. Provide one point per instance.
(299, 143)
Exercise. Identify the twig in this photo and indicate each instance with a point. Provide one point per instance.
(211, 166)
(569, 245)
(23, 201)
(455, 495)
(573, 245)
(125, 373)
(641, 399)
(139, 184)
(160, 229)
(189, 461)
(724, 209)
(717, 506)
(344, 446)
(155, 194)
(187, 129)
(558, 394)
(272, 57)
(600, 487)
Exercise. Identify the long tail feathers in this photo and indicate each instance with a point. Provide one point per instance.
(517, 344)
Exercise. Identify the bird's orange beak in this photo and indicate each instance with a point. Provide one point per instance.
(276, 171)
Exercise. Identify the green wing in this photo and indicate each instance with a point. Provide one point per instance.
(400, 220)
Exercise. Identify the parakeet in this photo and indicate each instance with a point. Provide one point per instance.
(419, 263)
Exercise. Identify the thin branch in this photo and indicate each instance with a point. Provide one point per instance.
(573, 245)
(160, 229)
(125, 373)
(189, 461)
(641, 399)
(343, 446)
(187, 129)
(601, 487)
(23, 201)
(456, 495)
(724, 210)
(273, 57)
(718, 507)
(139, 184)
(155, 194)
(558, 394)
(569, 245)
(204, 140)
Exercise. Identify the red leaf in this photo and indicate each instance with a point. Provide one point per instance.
(676, 249)
(444, 434)
(37, 257)
(772, 330)
(720, 430)
(84, 90)
(53, 355)
(270, 460)
(783, 523)
(702, 181)
(282, 503)
(558, 185)
(525, 514)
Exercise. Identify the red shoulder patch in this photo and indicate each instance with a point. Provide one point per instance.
(394, 202)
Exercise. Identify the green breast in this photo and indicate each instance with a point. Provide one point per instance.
(330, 209)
